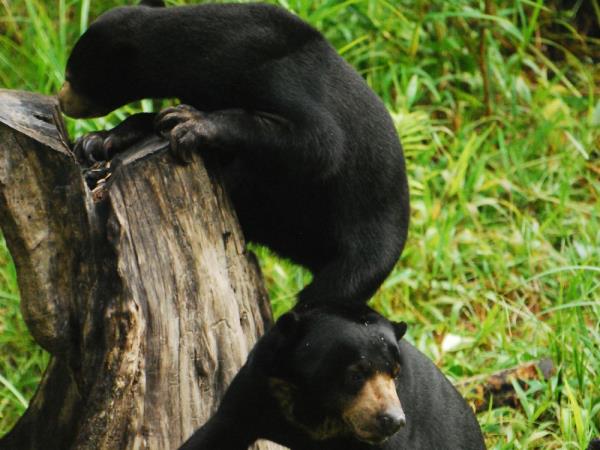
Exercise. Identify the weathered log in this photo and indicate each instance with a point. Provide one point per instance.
(145, 296)
(498, 389)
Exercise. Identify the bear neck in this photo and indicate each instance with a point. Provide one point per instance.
(321, 428)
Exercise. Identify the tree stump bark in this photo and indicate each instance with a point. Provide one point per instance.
(145, 297)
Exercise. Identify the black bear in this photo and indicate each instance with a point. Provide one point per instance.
(310, 156)
(334, 378)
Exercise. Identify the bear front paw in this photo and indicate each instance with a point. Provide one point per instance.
(186, 128)
(103, 145)
(92, 147)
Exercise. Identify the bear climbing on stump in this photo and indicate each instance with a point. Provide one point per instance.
(310, 155)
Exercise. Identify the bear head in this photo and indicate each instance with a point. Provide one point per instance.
(334, 370)
(106, 67)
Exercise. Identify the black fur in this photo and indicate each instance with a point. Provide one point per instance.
(594, 444)
(311, 157)
(310, 353)
(154, 3)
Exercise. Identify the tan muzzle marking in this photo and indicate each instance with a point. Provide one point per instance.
(377, 396)
(76, 105)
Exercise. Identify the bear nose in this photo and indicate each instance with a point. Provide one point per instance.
(391, 421)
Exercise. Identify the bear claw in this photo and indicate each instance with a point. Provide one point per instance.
(91, 148)
(185, 127)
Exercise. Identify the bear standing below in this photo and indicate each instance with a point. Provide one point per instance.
(332, 378)
(310, 155)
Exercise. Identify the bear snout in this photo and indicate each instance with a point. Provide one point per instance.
(76, 105)
(391, 421)
(375, 414)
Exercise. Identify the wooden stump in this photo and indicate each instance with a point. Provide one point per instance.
(146, 297)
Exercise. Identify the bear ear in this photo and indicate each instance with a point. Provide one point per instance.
(288, 323)
(399, 329)
(154, 3)
(275, 348)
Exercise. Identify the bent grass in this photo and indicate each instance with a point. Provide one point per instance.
(504, 245)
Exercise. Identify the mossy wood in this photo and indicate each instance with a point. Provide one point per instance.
(144, 296)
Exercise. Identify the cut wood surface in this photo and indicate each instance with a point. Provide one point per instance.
(144, 296)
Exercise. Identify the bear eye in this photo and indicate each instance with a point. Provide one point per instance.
(396, 370)
(355, 376)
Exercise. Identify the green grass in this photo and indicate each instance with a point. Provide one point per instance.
(504, 245)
